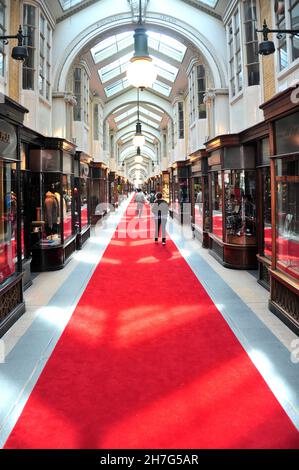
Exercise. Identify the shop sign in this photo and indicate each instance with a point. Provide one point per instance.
(8, 140)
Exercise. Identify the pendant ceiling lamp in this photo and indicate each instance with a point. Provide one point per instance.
(141, 72)
(138, 158)
(138, 139)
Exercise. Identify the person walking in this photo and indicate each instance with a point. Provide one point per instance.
(160, 211)
(140, 200)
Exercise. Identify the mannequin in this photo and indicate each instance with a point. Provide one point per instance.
(51, 212)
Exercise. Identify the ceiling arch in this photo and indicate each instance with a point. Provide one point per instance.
(66, 52)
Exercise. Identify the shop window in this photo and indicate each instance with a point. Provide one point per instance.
(81, 92)
(217, 203)
(45, 207)
(198, 203)
(192, 96)
(67, 206)
(29, 22)
(267, 218)
(240, 207)
(251, 43)
(8, 221)
(287, 215)
(2, 33)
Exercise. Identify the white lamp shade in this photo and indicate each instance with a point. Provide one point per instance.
(138, 159)
(141, 73)
(138, 140)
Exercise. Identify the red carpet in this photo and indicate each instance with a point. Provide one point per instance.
(147, 361)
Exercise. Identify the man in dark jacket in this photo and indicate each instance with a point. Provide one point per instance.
(160, 210)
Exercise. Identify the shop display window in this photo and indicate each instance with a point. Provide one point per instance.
(67, 206)
(45, 206)
(84, 202)
(287, 215)
(206, 209)
(217, 203)
(8, 221)
(198, 204)
(267, 225)
(165, 189)
(240, 207)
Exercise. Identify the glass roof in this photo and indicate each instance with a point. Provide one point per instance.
(143, 111)
(67, 4)
(115, 64)
(117, 86)
(210, 3)
(111, 46)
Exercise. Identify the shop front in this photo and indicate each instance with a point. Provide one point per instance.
(232, 187)
(200, 214)
(51, 207)
(281, 112)
(113, 193)
(82, 198)
(99, 191)
(165, 186)
(11, 234)
(181, 193)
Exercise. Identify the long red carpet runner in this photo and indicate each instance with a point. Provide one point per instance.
(147, 361)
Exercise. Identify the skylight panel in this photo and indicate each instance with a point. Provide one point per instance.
(67, 4)
(161, 88)
(150, 114)
(110, 46)
(165, 70)
(127, 122)
(115, 68)
(167, 45)
(117, 86)
(126, 114)
(210, 3)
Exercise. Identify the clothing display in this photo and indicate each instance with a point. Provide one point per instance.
(51, 209)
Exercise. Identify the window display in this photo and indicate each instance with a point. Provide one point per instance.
(206, 211)
(217, 203)
(267, 227)
(45, 207)
(198, 203)
(287, 215)
(240, 207)
(84, 203)
(67, 206)
(8, 221)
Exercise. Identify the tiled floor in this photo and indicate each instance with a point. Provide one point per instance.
(53, 297)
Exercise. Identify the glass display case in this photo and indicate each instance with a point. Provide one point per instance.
(113, 192)
(200, 198)
(11, 285)
(165, 186)
(232, 174)
(264, 213)
(82, 198)
(98, 191)
(53, 237)
(287, 215)
(181, 203)
(281, 113)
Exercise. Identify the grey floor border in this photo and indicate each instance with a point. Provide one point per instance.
(42, 345)
(269, 355)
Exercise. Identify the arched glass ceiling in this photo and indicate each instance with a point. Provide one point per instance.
(112, 56)
(148, 115)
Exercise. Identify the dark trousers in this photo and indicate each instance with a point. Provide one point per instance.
(159, 222)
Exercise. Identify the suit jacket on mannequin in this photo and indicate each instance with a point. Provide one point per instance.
(51, 209)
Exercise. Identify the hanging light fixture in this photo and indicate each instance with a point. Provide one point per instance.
(141, 72)
(138, 139)
(138, 158)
